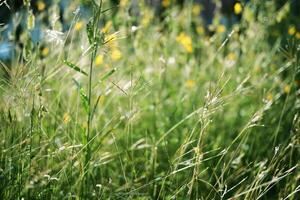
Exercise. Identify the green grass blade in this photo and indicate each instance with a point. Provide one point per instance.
(75, 67)
(108, 74)
(83, 96)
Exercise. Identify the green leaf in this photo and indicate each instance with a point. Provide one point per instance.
(83, 96)
(90, 31)
(75, 67)
(283, 12)
(108, 74)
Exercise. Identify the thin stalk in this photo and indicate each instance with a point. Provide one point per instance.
(89, 119)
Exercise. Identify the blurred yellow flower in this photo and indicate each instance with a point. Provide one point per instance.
(231, 56)
(107, 27)
(78, 25)
(165, 3)
(200, 30)
(66, 118)
(286, 89)
(269, 96)
(146, 18)
(99, 60)
(221, 28)
(123, 3)
(196, 10)
(185, 41)
(190, 84)
(116, 54)
(40, 5)
(238, 8)
(45, 51)
(298, 35)
(292, 30)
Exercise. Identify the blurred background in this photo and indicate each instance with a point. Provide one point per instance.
(214, 16)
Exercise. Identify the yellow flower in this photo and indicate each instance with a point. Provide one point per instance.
(78, 25)
(238, 8)
(107, 27)
(99, 60)
(190, 84)
(165, 3)
(231, 56)
(45, 51)
(146, 19)
(292, 30)
(200, 30)
(185, 41)
(40, 5)
(123, 3)
(116, 54)
(269, 97)
(298, 35)
(66, 118)
(196, 10)
(221, 29)
(286, 89)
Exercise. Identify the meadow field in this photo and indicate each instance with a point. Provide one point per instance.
(126, 100)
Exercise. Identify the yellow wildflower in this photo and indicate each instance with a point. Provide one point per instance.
(123, 3)
(185, 41)
(237, 8)
(40, 5)
(146, 19)
(231, 56)
(99, 60)
(287, 89)
(221, 29)
(78, 25)
(45, 51)
(165, 3)
(196, 10)
(292, 30)
(116, 54)
(190, 84)
(298, 35)
(269, 97)
(66, 118)
(200, 30)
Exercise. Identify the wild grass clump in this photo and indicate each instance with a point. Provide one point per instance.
(127, 105)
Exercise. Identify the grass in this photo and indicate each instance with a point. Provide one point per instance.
(126, 107)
